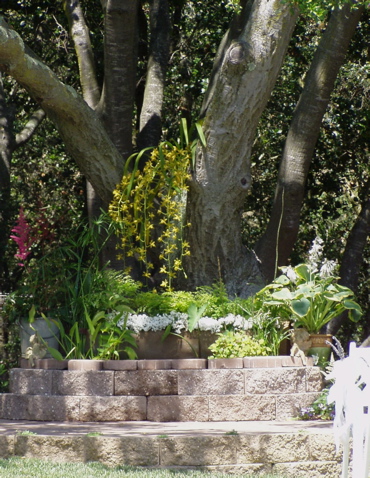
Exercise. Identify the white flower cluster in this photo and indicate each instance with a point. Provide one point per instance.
(315, 258)
(210, 324)
(179, 322)
(144, 322)
(315, 253)
(327, 268)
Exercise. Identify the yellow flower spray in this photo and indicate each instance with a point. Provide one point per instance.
(153, 200)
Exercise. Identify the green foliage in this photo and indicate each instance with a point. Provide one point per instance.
(312, 299)
(232, 344)
(212, 300)
(115, 341)
(4, 379)
(318, 9)
(194, 314)
(25, 433)
(103, 339)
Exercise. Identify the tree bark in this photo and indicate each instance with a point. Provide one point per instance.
(7, 144)
(245, 72)
(151, 111)
(90, 89)
(301, 141)
(94, 152)
(120, 56)
(86, 64)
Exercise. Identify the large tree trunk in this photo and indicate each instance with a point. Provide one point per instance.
(120, 58)
(115, 106)
(245, 72)
(301, 141)
(7, 144)
(151, 110)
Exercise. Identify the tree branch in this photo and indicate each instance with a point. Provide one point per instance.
(78, 125)
(32, 124)
(81, 39)
(120, 58)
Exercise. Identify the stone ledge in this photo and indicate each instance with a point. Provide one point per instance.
(170, 408)
(165, 364)
(146, 382)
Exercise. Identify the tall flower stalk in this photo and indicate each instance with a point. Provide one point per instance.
(23, 238)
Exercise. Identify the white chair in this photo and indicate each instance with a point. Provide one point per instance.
(351, 394)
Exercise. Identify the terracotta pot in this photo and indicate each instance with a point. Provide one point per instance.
(320, 348)
(319, 340)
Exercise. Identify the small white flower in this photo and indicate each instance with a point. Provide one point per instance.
(209, 324)
(290, 273)
(327, 268)
(315, 253)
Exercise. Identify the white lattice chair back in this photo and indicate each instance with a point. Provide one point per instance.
(351, 394)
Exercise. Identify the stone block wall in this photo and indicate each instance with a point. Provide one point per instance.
(292, 455)
(149, 392)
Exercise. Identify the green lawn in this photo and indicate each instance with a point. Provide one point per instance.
(18, 467)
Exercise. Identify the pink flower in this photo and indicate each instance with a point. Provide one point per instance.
(23, 238)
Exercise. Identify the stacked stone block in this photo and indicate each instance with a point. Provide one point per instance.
(149, 390)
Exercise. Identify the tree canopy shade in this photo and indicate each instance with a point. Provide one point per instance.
(97, 126)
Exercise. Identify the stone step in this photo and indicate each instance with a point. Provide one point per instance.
(291, 449)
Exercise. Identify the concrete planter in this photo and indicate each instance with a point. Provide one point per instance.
(192, 345)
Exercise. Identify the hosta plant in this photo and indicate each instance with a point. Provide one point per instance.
(310, 297)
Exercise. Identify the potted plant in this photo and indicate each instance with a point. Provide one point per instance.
(38, 297)
(312, 298)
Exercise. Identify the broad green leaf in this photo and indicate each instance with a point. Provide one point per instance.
(303, 271)
(355, 315)
(283, 280)
(202, 138)
(301, 306)
(283, 294)
(355, 311)
(194, 315)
